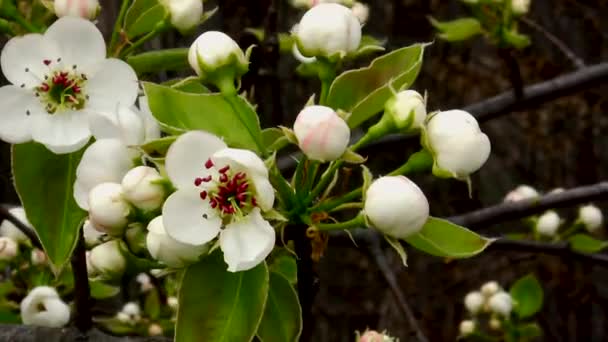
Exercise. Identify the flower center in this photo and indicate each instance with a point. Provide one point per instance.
(62, 88)
(228, 192)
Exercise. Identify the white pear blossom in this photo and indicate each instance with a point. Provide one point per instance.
(490, 288)
(87, 9)
(474, 301)
(92, 236)
(141, 187)
(328, 30)
(591, 217)
(522, 192)
(8, 229)
(407, 110)
(107, 260)
(396, 206)
(164, 248)
(60, 80)
(501, 303)
(43, 307)
(467, 327)
(322, 134)
(458, 145)
(520, 7)
(185, 14)
(214, 53)
(108, 209)
(9, 249)
(548, 223)
(223, 191)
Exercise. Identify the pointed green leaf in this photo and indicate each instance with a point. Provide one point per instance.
(143, 16)
(158, 146)
(457, 30)
(44, 182)
(101, 290)
(528, 296)
(443, 238)
(231, 118)
(398, 247)
(282, 320)
(217, 305)
(586, 244)
(363, 92)
(285, 265)
(159, 60)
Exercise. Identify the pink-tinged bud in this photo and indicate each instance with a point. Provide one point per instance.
(87, 9)
(38, 257)
(8, 248)
(374, 336)
(322, 134)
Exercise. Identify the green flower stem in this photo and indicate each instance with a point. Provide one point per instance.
(326, 178)
(325, 85)
(118, 24)
(576, 226)
(327, 74)
(138, 43)
(284, 190)
(330, 205)
(356, 222)
(377, 131)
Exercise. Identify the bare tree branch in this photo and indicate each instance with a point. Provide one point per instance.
(6, 215)
(82, 291)
(574, 59)
(561, 249)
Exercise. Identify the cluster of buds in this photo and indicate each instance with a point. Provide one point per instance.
(490, 300)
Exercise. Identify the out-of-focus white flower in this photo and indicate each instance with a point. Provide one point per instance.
(108, 209)
(141, 187)
(495, 323)
(172, 302)
(145, 283)
(467, 327)
(130, 313)
(38, 257)
(87, 9)
(9, 230)
(9, 249)
(185, 14)
(490, 288)
(501, 303)
(548, 223)
(164, 248)
(374, 336)
(155, 330)
(407, 110)
(396, 206)
(361, 11)
(214, 55)
(43, 307)
(322, 134)
(591, 216)
(520, 7)
(107, 260)
(473, 301)
(522, 192)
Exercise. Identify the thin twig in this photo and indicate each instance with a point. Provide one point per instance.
(561, 249)
(377, 253)
(514, 72)
(574, 59)
(82, 291)
(6, 214)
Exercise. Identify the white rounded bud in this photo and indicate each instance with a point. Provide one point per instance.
(501, 303)
(164, 248)
(473, 301)
(9, 249)
(495, 323)
(322, 134)
(407, 110)
(155, 330)
(490, 288)
(371, 336)
(185, 14)
(92, 236)
(548, 223)
(172, 302)
(132, 311)
(107, 260)
(396, 206)
(522, 192)
(123, 317)
(9, 230)
(467, 327)
(91, 271)
(458, 146)
(591, 216)
(38, 257)
(87, 9)
(520, 7)
(361, 11)
(328, 30)
(145, 283)
(214, 52)
(108, 209)
(141, 187)
(43, 307)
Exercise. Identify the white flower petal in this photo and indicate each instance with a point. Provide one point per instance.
(241, 160)
(106, 160)
(188, 219)
(62, 132)
(27, 52)
(80, 43)
(16, 123)
(124, 124)
(43, 307)
(114, 83)
(151, 126)
(166, 249)
(247, 242)
(185, 160)
(264, 192)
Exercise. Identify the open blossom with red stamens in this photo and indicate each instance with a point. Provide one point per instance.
(221, 191)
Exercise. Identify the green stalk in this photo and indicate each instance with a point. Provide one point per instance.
(118, 24)
(356, 222)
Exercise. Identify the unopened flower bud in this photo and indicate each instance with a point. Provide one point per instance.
(8, 229)
(591, 216)
(467, 327)
(371, 336)
(396, 206)
(92, 236)
(490, 288)
(145, 283)
(172, 302)
(87, 9)
(216, 57)
(548, 223)
(407, 110)
(185, 14)
(8, 248)
(328, 30)
(131, 313)
(141, 187)
(322, 134)
(123, 317)
(91, 271)
(38, 257)
(458, 146)
(361, 11)
(520, 7)
(522, 192)
(155, 330)
(495, 324)
(43, 307)
(108, 209)
(164, 248)
(473, 301)
(501, 303)
(107, 260)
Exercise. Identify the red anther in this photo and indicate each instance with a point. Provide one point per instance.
(76, 89)
(64, 74)
(203, 195)
(254, 202)
(239, 175)
(242, 197)
(46, 62)
(224, 169)
(198, 181)
(206, 179)
(242, 187)
(44, 87)
(223, 178)
(209, 163)
(213, 203)
(223, 190)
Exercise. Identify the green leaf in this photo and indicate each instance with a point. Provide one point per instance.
(101, 290)
(516, 39)
(44, 182)
(231, 118)
(217, 305)
(457, 30)
(285, 265)
(444, 239)
(586, 244)
(143, 16)
(158, 146)
(528, 331)
(363, 92)
(152, 304)
(274, 138)
(159, 60)
(282, 320)
(528, 296)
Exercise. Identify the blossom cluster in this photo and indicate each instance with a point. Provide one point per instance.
(491, 301)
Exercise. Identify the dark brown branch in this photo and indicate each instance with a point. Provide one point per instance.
(514, 72)
(520, 209)
(572, 57)
(5, 214)
(82, 291)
